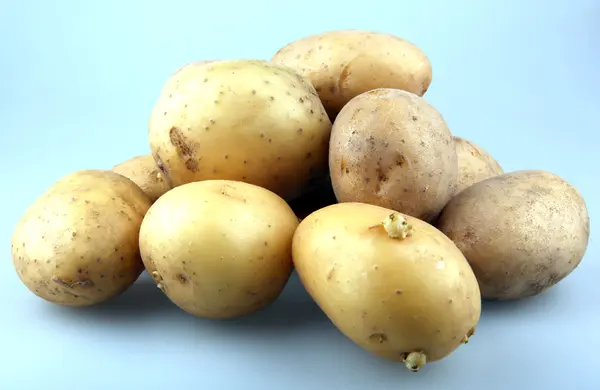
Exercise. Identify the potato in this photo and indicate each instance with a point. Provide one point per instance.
(392, 149)
(522, 232)
(142, 170)
(474, 163)
(393, 284)
(77, 244)
(219, 248)
(342, 64)
(322, 195)
(242, 120)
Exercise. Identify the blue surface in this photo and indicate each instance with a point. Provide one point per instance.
(78, 81)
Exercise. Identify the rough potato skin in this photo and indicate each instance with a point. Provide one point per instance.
(342, 64)
(219, 248)
(245, 120)
(474, 163)
(390, 148)
(77, 244)
(389, 296)
(144, 172)
(522, 232)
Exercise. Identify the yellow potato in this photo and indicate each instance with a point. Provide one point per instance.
(393, 284)
(243, 120)
(342, 64)
(474, 164)
(219, 248)
(77, 244)
(392, 149)
(142, 170)
(522, 232)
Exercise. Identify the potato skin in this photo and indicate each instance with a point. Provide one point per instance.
(522, 232)
(342, 64)
(77, 244)
(219, 248)
(244, 120)
(474, 163)
(144, 172)
(389, 296)
(391, 148)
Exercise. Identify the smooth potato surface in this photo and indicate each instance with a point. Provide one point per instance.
(522, 232)
(219, 248)
(144, 172)
(390, 296)
(391, 148)
(342, 64)
(474, 164)
(244, 120)
(77, 244)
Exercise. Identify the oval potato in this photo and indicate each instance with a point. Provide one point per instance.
(144, 172)
(77, 244)
(219, 248)
(404, 295)
(342, 64)
(243, 120)
(474, 163)
(522, 232)
(391, 148)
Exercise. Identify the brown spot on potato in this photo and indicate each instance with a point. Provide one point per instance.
(378, 338)
(182, 278)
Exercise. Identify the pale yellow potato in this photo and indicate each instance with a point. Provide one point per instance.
(342, 64)
(391, 148)
(77, 244)
(474, 163)
(244, 120)
(522, 232)
(144, 172)
(400, 289)
(219, 248)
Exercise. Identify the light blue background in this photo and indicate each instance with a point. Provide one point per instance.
(78, 81)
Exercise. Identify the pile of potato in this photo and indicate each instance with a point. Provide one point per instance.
(326, 159)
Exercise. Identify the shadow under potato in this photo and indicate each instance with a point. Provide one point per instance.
(144, 300)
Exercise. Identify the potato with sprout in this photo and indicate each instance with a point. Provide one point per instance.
(393, 284)
(219, 248)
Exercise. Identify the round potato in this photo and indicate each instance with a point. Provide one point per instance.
(219, 248)
(142, 170)
(474, 164)
(243, 120)
(77, 244)
(392, 149)
(342, 64)
(393, 284)
(522, 232)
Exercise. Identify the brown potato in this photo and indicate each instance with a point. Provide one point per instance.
(522, 232)
(77, 244)
(144, 172)
(393, 284)
(474, 163)
(391, 148)
(342, 64)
